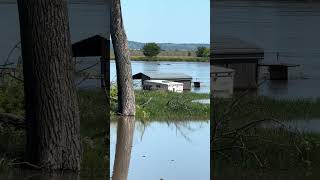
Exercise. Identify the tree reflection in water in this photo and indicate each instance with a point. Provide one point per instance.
(125, 130)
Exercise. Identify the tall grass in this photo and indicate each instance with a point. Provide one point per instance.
(247, 147)
(164, 105)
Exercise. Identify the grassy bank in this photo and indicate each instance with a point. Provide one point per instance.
(171, 58)
(162, 105)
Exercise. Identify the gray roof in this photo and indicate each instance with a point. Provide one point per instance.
(219, 69)
(233, 50)
(162, 76)
(228, 44)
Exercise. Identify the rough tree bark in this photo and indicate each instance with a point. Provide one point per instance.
(125, 131)
(126, 99)
(52, 117)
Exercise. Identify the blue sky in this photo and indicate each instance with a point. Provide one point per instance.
(170, 21)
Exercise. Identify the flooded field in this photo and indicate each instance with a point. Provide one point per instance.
(160, 150)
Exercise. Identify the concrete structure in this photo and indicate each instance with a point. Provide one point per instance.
(241, 56)
(221, 81)
(163, 85)
(175, 77)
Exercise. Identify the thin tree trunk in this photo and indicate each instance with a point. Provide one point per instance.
(52, 115)
(126, 99)
(125, 131)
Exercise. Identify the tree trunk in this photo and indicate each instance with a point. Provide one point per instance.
(125, 131)
(52, 115)
(126, 99)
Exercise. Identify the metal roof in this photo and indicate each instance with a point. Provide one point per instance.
(231, 50)
(163, 76)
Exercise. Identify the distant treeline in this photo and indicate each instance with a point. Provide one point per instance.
(169, 46)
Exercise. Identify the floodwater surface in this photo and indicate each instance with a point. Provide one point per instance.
(200, 71)
(288, 27)
(160, 150)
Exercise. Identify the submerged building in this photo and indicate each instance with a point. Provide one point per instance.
(243, 57)
(163, 85)
(221, 81)
(174, 77)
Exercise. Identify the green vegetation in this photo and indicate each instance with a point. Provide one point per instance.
(183, 56)
(255, 108)
(164, 105)
(203, 52)
(94, 129)
(151, 49)
(171, 58)
(241, 143)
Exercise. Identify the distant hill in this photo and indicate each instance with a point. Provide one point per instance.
(168, 46)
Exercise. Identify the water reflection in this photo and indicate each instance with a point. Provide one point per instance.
(125, 132)
(160, 150)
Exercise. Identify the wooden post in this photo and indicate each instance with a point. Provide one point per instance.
(104, 60)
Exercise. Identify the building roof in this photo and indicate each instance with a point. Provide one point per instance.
(225, 49)
(164, 82)
(92, 46)
(162, 76)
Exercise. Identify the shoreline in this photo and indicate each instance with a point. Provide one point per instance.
(168, 59)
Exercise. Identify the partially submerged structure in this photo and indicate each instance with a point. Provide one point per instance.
(221, 81)
(95, 46)
(279, 71)
(163, 85)
(241, 56)
(175, 77)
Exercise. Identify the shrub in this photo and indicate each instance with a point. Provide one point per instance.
(151, 49)
(203, 52)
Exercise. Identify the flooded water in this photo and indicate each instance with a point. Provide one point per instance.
(160, 150)
(200, 71)
(288, 27)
